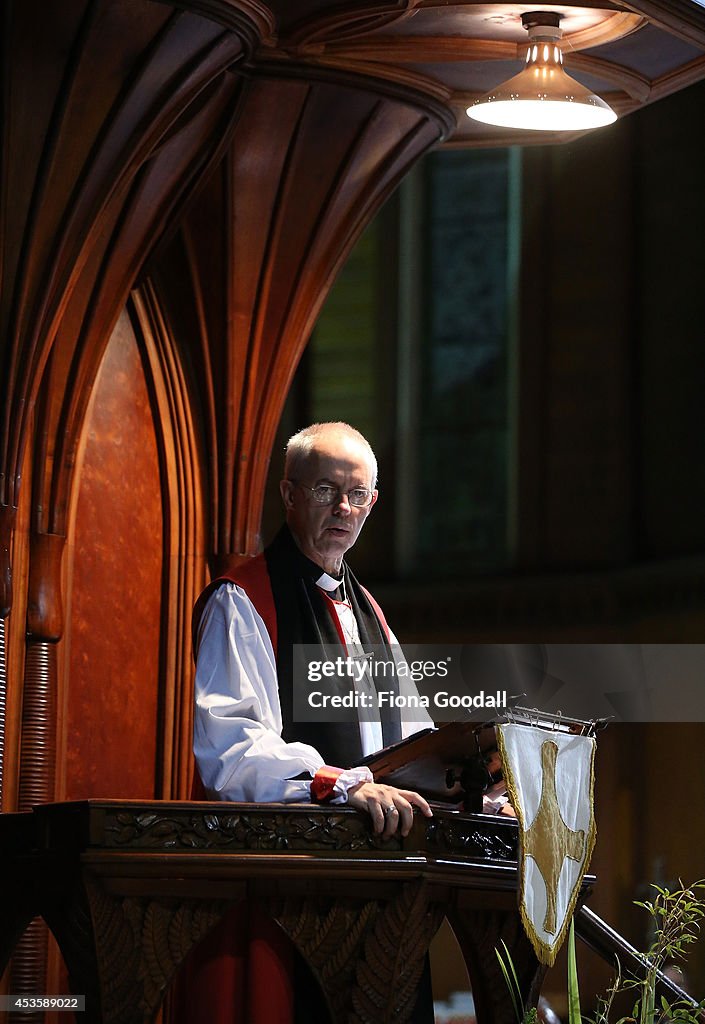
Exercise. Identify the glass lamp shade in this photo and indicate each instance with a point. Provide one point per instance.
(543, 97)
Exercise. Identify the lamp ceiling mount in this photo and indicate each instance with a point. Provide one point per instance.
(535, 20)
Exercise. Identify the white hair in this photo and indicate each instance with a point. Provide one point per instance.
(301, 445)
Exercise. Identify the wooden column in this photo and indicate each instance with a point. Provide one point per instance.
(3, 699)
(7, 519)
(37, 770)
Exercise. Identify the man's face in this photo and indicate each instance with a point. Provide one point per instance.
(325, 532)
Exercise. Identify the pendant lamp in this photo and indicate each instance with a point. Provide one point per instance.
(543, 97)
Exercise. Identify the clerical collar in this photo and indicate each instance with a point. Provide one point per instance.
(328, 583)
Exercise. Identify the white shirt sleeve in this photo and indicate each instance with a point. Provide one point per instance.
(237, 728)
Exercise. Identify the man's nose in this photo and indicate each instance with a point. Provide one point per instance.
(342, 505)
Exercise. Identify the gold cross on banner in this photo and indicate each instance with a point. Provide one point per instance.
(549, 840)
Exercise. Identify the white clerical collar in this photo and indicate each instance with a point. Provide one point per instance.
(326, 582)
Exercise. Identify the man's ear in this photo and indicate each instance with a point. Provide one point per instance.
(286, 489)
(375, 495)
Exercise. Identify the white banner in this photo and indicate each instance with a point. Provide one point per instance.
(550, 777)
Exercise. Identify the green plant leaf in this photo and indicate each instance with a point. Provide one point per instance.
(512, 981)
(573, 987)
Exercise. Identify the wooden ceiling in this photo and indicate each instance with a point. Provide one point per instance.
(456, 50)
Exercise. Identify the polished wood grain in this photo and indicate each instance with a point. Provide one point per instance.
(110, 684)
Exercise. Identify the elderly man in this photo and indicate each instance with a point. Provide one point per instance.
(248, 746)
(299, 591)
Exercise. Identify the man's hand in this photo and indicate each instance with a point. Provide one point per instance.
(389, 808)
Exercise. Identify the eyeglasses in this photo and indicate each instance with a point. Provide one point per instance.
(326, 494)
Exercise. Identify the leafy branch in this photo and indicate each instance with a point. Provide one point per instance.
(676, 916)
